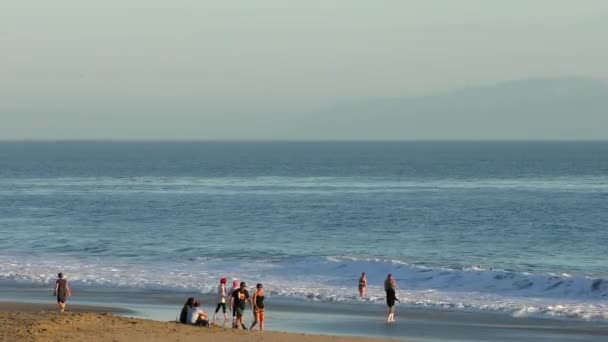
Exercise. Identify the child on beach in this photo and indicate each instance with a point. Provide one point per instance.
(258, 307)
(240, 298)
(197, 316)
(62, 291)
(221, 301)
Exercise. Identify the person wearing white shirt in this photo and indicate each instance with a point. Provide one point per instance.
(197, 316)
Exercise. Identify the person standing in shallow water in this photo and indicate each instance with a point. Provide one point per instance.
(363, 285)
(62, 291)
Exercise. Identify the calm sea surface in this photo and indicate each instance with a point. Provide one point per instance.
(517, 227)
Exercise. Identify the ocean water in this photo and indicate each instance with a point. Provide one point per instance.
(516, 227)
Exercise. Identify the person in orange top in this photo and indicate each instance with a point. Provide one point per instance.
(258, 307)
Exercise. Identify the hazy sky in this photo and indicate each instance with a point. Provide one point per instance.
(229, 69)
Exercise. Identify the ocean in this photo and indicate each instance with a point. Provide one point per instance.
(512, 227)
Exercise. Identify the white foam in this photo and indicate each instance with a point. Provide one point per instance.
(304, 185)
(335, 279)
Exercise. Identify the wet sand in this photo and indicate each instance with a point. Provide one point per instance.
(35, 322)
(288, 315)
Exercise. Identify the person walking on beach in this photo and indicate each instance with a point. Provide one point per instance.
(222, 295)
(239, 299)
(363, 285)
(62, 291)
(235, 286)
(258, 307)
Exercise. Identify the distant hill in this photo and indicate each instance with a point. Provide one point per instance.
(563, 108)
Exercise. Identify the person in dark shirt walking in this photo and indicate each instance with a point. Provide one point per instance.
(240, 298)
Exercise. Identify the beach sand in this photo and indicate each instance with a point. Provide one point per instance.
(34, 322)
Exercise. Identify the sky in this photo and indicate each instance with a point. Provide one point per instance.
(148, 69)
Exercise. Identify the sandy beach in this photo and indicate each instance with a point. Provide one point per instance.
(34, 322)
(312, 322)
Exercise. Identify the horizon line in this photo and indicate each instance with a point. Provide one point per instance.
(122, 140)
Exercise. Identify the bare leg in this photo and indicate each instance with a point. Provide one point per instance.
(243, 323)
(262, 319)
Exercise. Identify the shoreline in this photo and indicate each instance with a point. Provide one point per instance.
(335, 319)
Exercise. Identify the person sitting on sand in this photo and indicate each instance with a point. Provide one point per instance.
(258, 307)
(221, 301)
(363, 285)
(239, 299)
(235, 286)
(183, 316)
(197, 316)
(62, 291)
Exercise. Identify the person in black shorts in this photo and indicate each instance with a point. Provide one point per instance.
(258, 307)
(240, 298)
(62, 291)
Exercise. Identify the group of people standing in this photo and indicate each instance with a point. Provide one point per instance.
(238, 298)
(390, 287)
